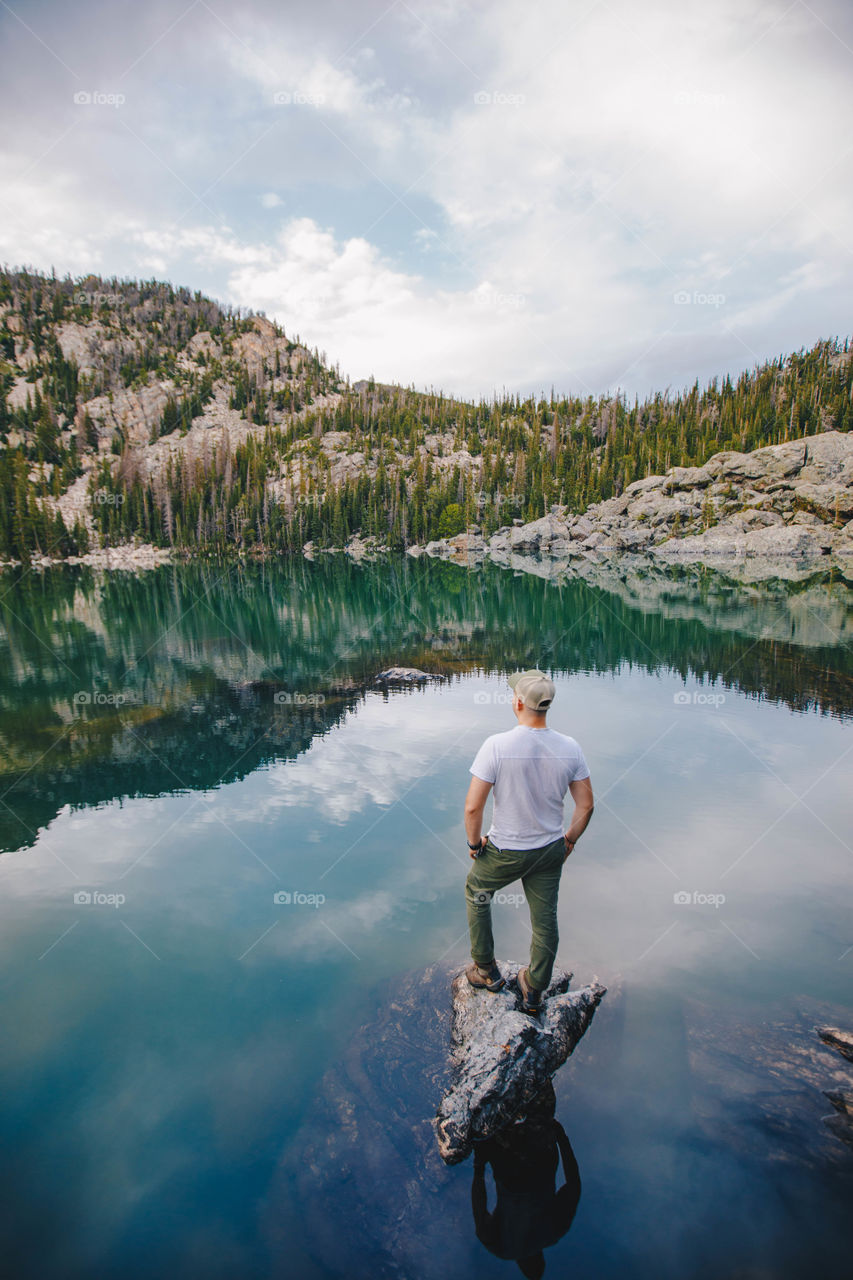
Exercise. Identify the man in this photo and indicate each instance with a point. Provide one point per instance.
(530, 767)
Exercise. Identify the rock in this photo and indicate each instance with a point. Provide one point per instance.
(752, 519)
(730, 541)
(640, 486)
(837, 1039)
(831, 501)
(841, 1126)
(502, 1057)
(468, 546)
(405, 675)
(760, 529)
(842, 1100)
(687, 478)
(634, 539)
(538, 533)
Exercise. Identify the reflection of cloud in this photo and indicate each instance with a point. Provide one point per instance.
(373, 758)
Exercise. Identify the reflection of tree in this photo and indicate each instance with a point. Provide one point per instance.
(197, 653)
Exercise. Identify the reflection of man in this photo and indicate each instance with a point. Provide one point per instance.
(530, 767)
(530, 1214)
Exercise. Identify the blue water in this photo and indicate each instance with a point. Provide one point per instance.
(166, 1038)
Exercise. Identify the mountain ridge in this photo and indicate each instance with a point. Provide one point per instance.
(135, 412)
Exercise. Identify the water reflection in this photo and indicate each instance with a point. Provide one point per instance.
(193, 676)
(531, 1213)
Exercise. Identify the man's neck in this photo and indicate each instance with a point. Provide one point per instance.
(532, 722)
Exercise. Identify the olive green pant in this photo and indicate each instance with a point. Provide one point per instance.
(539, 872)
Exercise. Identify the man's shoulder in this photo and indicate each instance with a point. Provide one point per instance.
(561, 744)
(503, 738)
(565, 738)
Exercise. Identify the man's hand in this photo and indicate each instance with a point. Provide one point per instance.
(475, 803)
(570, 844)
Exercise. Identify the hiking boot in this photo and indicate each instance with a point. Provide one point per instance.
(486, 976)
(531, 999)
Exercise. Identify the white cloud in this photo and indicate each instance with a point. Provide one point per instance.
(535, 238)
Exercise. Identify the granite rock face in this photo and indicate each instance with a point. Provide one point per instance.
(773, 513)
(501, 1058)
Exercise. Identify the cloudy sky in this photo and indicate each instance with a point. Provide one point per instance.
(585, 194)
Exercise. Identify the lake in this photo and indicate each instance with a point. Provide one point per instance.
(226, 848)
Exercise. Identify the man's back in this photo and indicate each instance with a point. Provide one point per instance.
(531, 770)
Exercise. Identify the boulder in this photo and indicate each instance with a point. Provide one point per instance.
(687, 478)
(501, 1058)
(841, 1099)
(538, 533)
(405, 675)
(829, 500)
(582, 528)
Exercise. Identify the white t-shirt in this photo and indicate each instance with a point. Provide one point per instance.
(531, 770)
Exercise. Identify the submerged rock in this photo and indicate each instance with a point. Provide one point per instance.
(840, 1122)
(836, 1039)
(362, 1181)
(842, 1100)
(502, 1058)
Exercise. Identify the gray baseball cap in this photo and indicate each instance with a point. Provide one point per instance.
(534, 688)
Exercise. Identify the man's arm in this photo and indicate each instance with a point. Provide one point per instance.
(582, 796)
(475, 804)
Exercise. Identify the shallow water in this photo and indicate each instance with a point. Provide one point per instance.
(184, 746)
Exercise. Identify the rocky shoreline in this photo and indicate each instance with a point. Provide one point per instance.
(129, 556)
(784, 511)
(781, 511)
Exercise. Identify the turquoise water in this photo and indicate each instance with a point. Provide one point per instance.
(222, 839)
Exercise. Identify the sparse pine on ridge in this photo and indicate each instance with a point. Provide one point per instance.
(137, 411)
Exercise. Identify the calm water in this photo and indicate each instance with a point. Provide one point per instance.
(182, 748)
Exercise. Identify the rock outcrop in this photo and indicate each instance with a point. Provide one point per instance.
(502, 1057)
(837, 1039)
(765, 514)
(362, 1181)
(839, 1121)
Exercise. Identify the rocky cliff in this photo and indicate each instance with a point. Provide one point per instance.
(773, 512)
